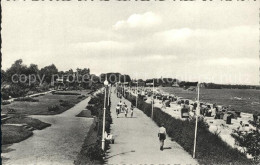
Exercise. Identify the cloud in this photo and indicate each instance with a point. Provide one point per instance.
(145, 20)
(232, 62)
(175, 35)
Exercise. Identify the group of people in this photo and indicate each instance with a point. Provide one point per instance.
(123, 108)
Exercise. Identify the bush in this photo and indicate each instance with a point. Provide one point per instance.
(65, 93)
(4, 96)
(210, 147)
(54, 108)
(95, 152)
(250, 142)
(94, 100)
(81, 97)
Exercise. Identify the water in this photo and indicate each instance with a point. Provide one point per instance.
(244, 100)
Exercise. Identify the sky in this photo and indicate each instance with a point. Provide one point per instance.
(192, 41)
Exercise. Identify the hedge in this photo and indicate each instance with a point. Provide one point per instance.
(29, 99)
(92, 153)
(210, 148)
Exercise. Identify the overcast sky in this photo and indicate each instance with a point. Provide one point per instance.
(206, 41)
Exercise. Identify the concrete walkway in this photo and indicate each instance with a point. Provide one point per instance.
(58, 144)
(136, 141)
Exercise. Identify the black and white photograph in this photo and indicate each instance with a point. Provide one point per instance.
(130, 82)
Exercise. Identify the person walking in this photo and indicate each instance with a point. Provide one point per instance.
(132, 110)
(120, 105)
(162, 136)
(126, 110)
(117, 110)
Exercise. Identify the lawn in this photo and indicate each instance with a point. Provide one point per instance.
(19, 110)
(14, 134)
(34, 123)
(45, 101)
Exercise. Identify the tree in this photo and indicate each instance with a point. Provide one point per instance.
(3, 76)
(16, 68)
(33, 70)
(49, 72)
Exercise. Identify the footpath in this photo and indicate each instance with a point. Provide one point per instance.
(136, 141)
(58, 144)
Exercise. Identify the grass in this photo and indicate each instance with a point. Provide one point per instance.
(249, 102)
(20, 110)
(41, 107)
(14, 134)
(35, 123)
(84, 113)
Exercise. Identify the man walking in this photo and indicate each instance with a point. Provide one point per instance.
(132, 110)
(162, 136)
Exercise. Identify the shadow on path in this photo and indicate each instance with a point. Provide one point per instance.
(122, 153)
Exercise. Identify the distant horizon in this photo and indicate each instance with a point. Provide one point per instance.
(133, 78)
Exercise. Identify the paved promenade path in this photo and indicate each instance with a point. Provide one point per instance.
(58, 144)
(136, 141)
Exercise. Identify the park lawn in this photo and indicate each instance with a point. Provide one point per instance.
(34, 123)
(14, 134)
(45, 101)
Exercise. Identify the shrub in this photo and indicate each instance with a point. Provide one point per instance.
(65, 93)
(54, 108)
(81, 97)
(93, 100)
(250, 142)
(4, 96)
(95, 152)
